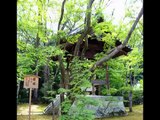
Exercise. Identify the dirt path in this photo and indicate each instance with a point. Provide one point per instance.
(25, 110)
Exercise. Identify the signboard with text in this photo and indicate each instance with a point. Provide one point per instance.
(31, 81)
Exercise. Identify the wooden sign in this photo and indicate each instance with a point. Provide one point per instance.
(31, 81)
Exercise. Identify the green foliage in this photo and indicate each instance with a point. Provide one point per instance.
(133, 62)
(47, 91)
(23, 96)
(116, 73)
(26, 60)
(137, 97)
(66, 107)
(141, 83)
(61, 34)
(99, 55)
(80, 75)
(79, 82)
(125, 89)
(62, 90)
(137, 94)
(106, 32)
(78, 110)
(33, 19)
(100, 73)
(73, 39)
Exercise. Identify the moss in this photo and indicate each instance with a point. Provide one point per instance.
(21, 108)
(137, 114)
(34, 117)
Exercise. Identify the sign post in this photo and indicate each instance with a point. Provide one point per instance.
(30, 81)
(30, 96)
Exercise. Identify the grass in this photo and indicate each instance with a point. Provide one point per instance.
(23, 109)
(34, 117)
(137, 114)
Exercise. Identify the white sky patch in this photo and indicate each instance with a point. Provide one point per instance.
(118, 6)
(53, 18)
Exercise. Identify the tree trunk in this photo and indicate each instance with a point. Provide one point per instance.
(130, 101)
(67, 79)
(93, 92)
(87, 28)
(126, 79)
(134, 80)
(107, 77)
(62, 82)
(130, 93)
(53, 111)
(35, 93)
(85, 47)
(99, 89)
(61, 65)
(18, 88)
(46, 73)
(93, 86)
(37, 43)
(107, 81)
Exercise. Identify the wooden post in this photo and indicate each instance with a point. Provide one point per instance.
(93, 92)
(53, 111)
(99, 89)
(93, 86)
(30, 95)
(107, 79)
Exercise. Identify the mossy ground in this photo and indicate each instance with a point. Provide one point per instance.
(137, 113)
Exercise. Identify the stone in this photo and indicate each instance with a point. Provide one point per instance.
(107, 106)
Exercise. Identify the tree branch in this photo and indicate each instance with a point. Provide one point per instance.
(118, 48)
(87, 28)
(75, 29)
(85, 47)
(88, 15)
(133, 27)
(62, 12)
(64, 25)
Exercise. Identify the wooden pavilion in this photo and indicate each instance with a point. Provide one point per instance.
(95, 45)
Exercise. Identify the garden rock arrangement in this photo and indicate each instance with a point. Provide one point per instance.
(107, 106)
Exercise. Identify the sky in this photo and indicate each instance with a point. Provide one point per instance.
(120, 7)
(119, 11)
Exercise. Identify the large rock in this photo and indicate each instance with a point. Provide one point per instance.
(106, 106)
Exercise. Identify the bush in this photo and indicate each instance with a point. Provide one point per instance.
(23, 96)
(137, 96)
(78, 111)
